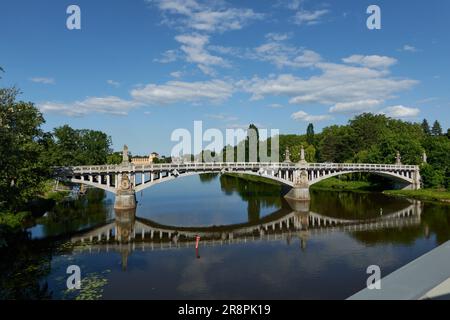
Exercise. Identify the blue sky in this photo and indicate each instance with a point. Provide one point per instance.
(139, 69)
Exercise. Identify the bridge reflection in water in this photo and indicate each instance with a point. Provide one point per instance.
(128, 232)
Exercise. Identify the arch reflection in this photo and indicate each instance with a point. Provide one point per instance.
(128, 232)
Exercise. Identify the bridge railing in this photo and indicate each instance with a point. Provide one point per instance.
(240, 166)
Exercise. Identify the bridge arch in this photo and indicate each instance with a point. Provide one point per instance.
(149, 184)
(392, 175)
(94, 184)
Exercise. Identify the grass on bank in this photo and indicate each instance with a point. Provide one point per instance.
(335, 184)
(252, 178)
(48, 192)
(423, 194)
(48, 197)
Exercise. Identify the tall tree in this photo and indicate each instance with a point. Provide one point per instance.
(426, 127)
(310, 134)
(437, 129)
(79, 147)
(21, 146)
(252, 136)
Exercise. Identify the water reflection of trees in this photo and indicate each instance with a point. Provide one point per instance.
(352, 205)
(67, 217)
(435, 220)
(208, 177)
(23, 265)
(257, 195)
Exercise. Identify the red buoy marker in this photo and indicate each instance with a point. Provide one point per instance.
(197, 241)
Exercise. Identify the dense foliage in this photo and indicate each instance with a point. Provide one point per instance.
(370, 138)
(28, 154)
(22, 144)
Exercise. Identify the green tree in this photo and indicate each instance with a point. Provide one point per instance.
(338, 144)
(437, 129)
(310, 154)
(447, 179)
(310, 134)
(368, 129)
(252, 135)
(79, 147)
(114, 158)
(432, 177)
(95, 147)
(22, 169)
(426, 127)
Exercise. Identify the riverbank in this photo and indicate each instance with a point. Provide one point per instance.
(423, 194)
(44, 201)
(252, 178)
(335, 184)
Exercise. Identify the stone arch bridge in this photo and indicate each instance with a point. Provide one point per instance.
(125, 179)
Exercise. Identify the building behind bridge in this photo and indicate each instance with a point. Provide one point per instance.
(145, 160)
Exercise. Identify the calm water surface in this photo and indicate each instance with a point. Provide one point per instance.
(254, 245)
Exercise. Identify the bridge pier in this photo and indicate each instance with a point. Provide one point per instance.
(300, 191)
(125, 200)
(125, 195)
(299, 194)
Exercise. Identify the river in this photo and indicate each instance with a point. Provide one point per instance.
(253, 244)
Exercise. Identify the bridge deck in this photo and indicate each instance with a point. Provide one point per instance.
(240, 165)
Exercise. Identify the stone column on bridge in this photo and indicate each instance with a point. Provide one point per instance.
(125, 196)
(417, 180)
(300, 191)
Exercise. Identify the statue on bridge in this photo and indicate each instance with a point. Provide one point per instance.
(302, 156)
(288, 156)
(125, 158)
(398, 159)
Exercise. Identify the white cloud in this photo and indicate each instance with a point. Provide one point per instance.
(193, 45)
(294, 4)
(283, 55)
(409, 48)
(43, 80)
(113, 83)
(168, 56)
(222, 117)
(105, 105)
(275, 106)
(303, 116)
(178, 91)
(373, 61)
(305, 17)
(205, 16)
(337, 83)
(401, 112)
(275, 51)
(355, 106)
(273, 36)
(176, 74)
